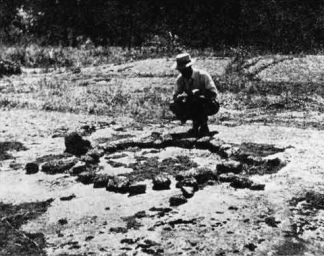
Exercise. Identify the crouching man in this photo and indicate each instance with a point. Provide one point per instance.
(194, 96)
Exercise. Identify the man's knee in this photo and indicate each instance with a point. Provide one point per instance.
(212, 108)
(176, 107)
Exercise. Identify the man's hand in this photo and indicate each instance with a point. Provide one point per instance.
(180, 97)
(195, 92)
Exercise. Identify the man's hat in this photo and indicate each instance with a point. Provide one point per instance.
(183, 61)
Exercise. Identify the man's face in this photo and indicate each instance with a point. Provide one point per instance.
(186, 72)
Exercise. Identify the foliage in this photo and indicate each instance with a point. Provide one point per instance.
(279, 25)
(8, 68)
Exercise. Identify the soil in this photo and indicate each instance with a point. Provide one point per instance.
(42, 214)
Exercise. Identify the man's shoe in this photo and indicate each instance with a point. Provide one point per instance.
(204, 130)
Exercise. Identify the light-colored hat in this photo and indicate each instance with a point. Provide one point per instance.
(183, 61)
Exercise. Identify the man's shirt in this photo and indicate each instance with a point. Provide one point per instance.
(200, 80)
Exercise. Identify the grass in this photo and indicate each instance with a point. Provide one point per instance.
(112, 83)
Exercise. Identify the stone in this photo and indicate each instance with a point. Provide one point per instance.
(256, 186)
(127, 241)
(62, 221)
(188, 182)
(59, 166)
(67, 198)
(240, 182)
(274, 162)
(88, 159)
(87, 130)
(31, 168)
(118, 230)
(227, 177)
(251, 247)
(229, 166)
(100, 181)
(76, 145)
(95, 154)
(161, 182)
(204, 175)
(187, 192)
(86, 177)
(136, 189)
(271, 222)
(227, 150)
(177, 200)
(78, 168)
(119, 184)
(255, 160)
(215, 145)
(185, 174)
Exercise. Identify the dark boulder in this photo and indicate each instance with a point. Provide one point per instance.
(76, 145)
(31, 168)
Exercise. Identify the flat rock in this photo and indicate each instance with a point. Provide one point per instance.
(59, 166)
(136, 189)
(177, 200)
(78, 168)
(227, 177)
(229, 166)
(256, 186)
(240, 182)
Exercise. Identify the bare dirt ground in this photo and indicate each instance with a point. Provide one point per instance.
(56, 214)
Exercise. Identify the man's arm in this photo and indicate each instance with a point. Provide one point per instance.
(178, 89)
(211, 90)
